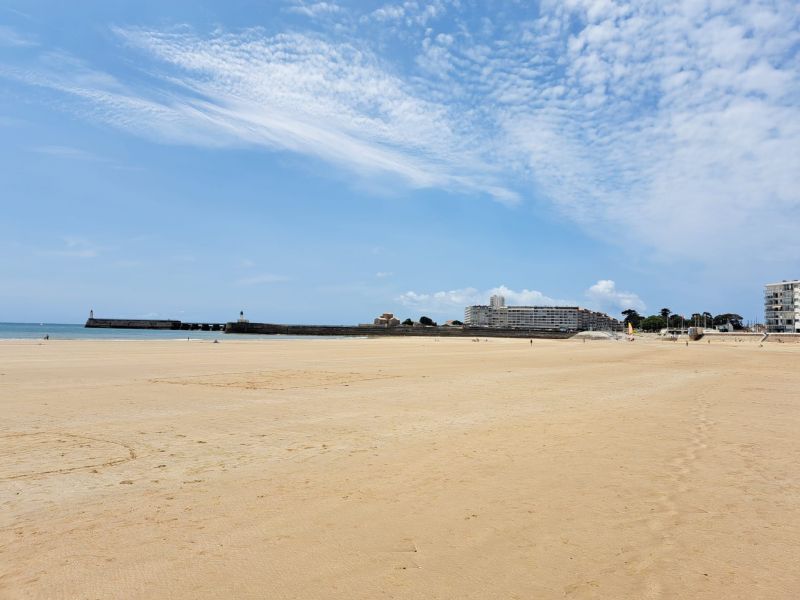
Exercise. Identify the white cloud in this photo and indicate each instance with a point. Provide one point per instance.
(668, 127)
(383, 274)
(315, 9)
(671, 126)
(456, 300)
(389, 12)
(290, 92)
(605, 296)
(11, 38)
(69, 152)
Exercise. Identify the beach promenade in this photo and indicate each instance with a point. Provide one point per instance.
(399, 468)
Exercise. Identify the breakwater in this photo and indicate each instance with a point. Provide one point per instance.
(162, 324)
(246, 327)
(399, 331)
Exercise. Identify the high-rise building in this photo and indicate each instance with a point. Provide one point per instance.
(497, 301)
(569, 318)
(782, 307)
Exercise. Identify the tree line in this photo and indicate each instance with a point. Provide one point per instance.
(666, 318)
(427, 321)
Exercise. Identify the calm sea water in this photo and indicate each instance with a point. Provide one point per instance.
(66, 331)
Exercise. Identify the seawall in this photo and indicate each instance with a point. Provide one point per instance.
(152, 324)
(355, 330)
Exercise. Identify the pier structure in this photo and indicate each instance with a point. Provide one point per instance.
(383, 330)
(162, 324)
(243, 326)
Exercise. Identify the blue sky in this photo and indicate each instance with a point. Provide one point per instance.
(324, 162)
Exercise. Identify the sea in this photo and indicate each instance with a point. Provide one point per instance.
(70, 331)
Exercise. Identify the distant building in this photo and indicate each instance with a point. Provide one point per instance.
(782, 307)
(570, 318)
(497, 301)
(387, 320)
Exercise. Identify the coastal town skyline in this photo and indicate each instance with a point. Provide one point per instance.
(328, 161)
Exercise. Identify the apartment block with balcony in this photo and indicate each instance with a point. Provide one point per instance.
(782, 307)
(569, 318)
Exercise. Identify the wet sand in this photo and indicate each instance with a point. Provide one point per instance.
(399, 468)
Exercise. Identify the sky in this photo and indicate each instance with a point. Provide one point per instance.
(325, 162)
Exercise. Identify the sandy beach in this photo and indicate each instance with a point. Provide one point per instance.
(399, 468)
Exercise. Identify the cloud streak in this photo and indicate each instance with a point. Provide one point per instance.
(603, 296)
(292, 92)
(671, 127)
(456, 300)
(11, 38)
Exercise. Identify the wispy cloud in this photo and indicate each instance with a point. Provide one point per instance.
(11, 38)
(291, 92)
(411, 13)
(78, 154)
(383, 274)
(669, 127)
(603, 296)
(314, 9)
(68, 152)
(73, 247)
(456, 300)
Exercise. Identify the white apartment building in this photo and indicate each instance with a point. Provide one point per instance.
(782, 307)
(570, 318)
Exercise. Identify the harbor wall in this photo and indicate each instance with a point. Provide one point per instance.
(360, 330)
(780, 338)
(161, 324)
(133, 324)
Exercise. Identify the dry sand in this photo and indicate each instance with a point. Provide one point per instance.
(399, 468)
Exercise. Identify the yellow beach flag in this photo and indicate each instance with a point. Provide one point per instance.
(630, 328)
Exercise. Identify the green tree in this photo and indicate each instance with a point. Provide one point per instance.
(632, 317)
(427, 321)
(732, 318)
(408, 322)
(676, 321)
(652, 323)
(665, 313)
(457, 322)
